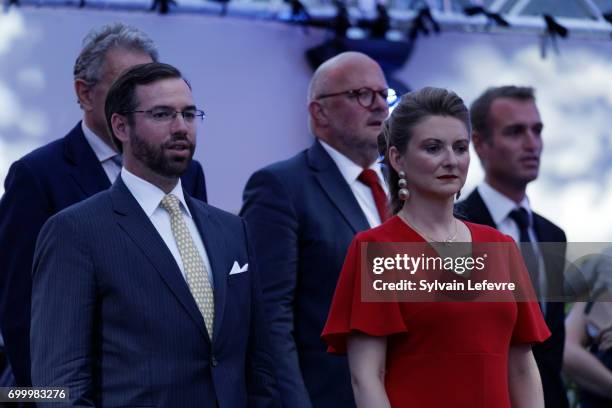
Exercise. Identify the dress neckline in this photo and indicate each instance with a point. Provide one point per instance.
(396, 218)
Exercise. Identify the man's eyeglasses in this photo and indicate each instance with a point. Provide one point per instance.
(164, 115)
(367, 96)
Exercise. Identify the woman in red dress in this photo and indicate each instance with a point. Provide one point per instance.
(432, 354)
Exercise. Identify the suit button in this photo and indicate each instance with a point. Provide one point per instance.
(214, 362)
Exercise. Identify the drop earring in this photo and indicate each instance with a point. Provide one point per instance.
(403, 192)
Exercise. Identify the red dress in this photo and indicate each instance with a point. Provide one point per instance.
(443, 354)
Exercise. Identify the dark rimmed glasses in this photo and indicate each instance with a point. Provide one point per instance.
(367, 96)
(165, 115)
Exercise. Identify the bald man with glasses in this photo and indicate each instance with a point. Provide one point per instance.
(303, 213)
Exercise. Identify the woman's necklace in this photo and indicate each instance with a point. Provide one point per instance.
(447, 241)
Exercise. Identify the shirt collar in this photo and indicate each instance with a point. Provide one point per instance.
(499, 205)
(148, 195)
(102, 151)
(349, 169)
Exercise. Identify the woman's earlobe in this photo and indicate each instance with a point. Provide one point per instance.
(395, 159)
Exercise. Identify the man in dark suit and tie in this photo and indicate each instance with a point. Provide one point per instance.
(303, 213)
(65, 172)
(507, 135)
(143, 295)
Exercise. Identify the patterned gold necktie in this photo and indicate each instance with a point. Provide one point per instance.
(195, 270)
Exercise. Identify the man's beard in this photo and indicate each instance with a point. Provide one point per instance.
(158, 159)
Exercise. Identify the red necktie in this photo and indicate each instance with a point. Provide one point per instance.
(370, 179)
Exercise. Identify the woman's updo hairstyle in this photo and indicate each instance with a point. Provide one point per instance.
(412, 109)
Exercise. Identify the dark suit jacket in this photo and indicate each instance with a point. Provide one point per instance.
(548, 355)
(303, 216)
(37, 186)
(113, 318)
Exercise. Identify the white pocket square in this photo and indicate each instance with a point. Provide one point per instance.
(237, 269)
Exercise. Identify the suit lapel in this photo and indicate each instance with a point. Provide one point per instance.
(542, 233)
(137, 225)
(553, 251)
(335, 187)
(216, 246)
(85, 168)
(476, 210)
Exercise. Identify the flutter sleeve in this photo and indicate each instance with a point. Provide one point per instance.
(349, 313)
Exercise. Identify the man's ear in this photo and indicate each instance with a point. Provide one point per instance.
(318, 114)
(83, 92)
(120, 127)
(480, 144)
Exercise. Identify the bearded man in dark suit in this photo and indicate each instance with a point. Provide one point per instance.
(62, 173)
(143, 295)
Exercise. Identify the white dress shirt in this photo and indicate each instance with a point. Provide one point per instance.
(500, 207)
(103, 152)
(351, 171)
(149, 198)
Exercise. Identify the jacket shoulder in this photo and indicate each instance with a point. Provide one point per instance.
(551, 229)
(466, 207)
(42, 155)
(89, 207)
(290, 166)
(277, 180)
(85, 215)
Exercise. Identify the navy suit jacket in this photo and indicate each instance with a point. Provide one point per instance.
(303, 216)
(113, 318)
(37, 186)
(549, 354)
